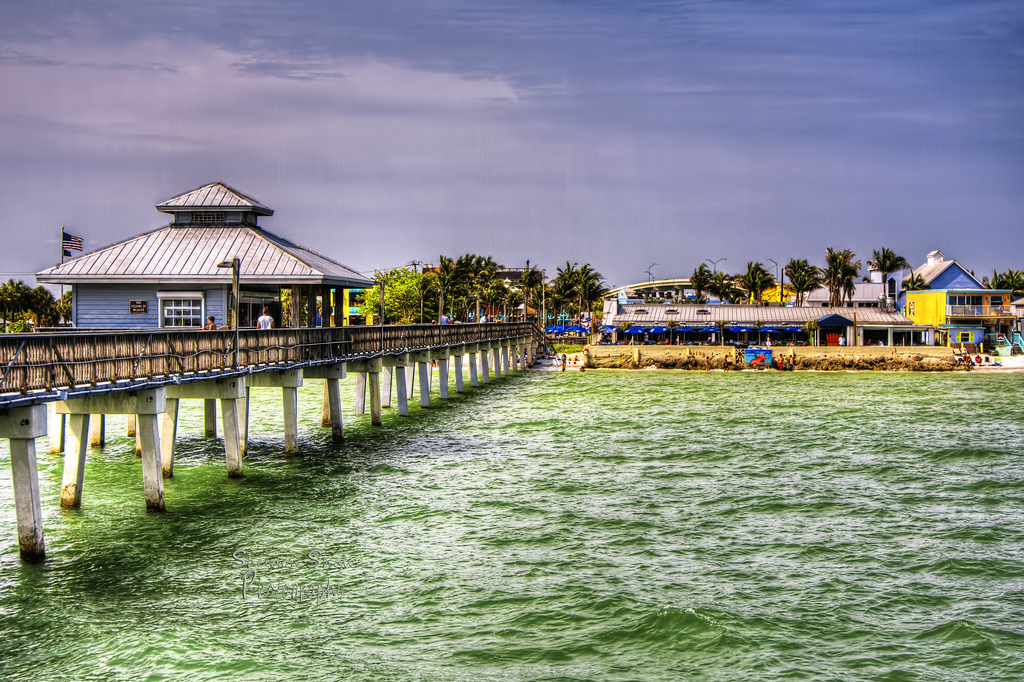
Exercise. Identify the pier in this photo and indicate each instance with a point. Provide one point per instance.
(145, 375)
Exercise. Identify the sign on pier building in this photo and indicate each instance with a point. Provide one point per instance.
(174, 276)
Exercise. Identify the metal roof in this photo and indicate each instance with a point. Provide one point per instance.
(689, 314)
(213, 195)
(191, 254)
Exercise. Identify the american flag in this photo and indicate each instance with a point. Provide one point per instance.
(72, 242)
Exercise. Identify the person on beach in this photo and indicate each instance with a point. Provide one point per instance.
(210, 324)
(265, 321)
(842, 340)
(563, 362)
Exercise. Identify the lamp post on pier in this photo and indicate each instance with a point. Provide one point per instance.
(234, 264)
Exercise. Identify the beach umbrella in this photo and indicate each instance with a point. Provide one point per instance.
(710, 328)
(635, 329)
(794, 329)
(608, 329)
(577, 329)
(740, 329)
(769, 330)
(659, 330)
(552, 329)
(684, 329)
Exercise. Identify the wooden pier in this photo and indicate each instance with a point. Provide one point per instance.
(145, 374)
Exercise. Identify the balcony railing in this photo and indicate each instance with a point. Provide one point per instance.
(978, 311)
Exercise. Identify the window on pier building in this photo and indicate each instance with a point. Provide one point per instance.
(965, 299)
(181, 312)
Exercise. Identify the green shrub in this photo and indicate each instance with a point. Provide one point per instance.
(567, 348)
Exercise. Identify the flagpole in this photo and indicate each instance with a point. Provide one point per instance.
(62, 259)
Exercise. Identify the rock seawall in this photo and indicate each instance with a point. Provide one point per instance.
(825, 359)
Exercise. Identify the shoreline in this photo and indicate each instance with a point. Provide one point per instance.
(803, 358)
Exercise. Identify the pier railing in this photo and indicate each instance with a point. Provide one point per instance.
(70, 361)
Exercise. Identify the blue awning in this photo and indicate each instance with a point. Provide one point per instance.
(834, 321)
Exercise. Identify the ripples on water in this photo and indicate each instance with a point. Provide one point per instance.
(606, 525)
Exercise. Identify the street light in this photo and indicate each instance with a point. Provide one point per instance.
(714, 263)
(234, 264)
(782, 275)
(650, 275)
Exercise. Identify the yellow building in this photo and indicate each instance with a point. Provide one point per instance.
(962, 316)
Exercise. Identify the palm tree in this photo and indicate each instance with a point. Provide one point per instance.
(448, 276)
(804, 278)
(724, 289)
(480, 272)
(755, 280)
(699, 281)
(840, 271)
(592, 290)
(14, 298)
(1014, 280)
(915, 283)
(886, 261)
(41, 305)
(531, 280)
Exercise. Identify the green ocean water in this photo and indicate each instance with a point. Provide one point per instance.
(645, 525)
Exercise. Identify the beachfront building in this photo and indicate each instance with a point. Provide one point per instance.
(179, 274)
(869, 294)
(962, 311)
(856, 327)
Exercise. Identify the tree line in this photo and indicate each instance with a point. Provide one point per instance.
(23, 307)
(464, 288)
(839, 276)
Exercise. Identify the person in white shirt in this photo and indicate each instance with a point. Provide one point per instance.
(265, 321)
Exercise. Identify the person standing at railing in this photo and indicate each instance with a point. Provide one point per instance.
(265, 321)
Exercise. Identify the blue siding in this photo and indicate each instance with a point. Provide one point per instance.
(216, 304)
(106, 306)
(955, 277)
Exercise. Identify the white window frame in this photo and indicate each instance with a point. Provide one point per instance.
(163, 296)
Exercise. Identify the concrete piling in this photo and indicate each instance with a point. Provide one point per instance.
(402, 388)
(21, 426)
(210, 417)
(168, 436)
(152, 473)
(98, 437)
(74, 461)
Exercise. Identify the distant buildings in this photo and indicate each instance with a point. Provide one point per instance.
(957, 305)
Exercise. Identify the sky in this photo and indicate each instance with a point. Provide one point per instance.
(635, 136)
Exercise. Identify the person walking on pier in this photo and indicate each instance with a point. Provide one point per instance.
(265, 321)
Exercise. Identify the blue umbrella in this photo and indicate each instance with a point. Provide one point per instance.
(659, 330)
(710, 328)
(608, 329)
(794, 329)
(635, 329)
(577, 330)
(769, 330)
(552, 329)
(741, 329)
(684, 329)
